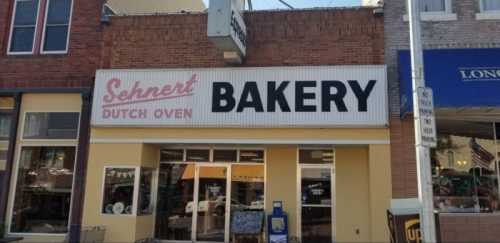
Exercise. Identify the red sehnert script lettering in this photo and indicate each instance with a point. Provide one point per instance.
(116, 95)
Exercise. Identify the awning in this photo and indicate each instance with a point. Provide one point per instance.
(460, 78)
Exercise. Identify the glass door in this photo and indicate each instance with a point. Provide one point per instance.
(211, 192)
(316, 203)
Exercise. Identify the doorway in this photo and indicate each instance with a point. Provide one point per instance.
(195, 200)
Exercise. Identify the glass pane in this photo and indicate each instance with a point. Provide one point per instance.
(56, 38)
(52, 125)
(118, 191)
(253, 156)
(43, 190)
(316, 186)
(202, 155)
(174, 207)
(225, 155)
(22, 39)
(145, 185)
(247, 192)
(26, 13)
(5, 121)
(464, 176)
(317, 224)
(6, 108)
(211, 204)
(432, 5)
(59, 11)
(491, 5)
(172, 155)
(316, 156)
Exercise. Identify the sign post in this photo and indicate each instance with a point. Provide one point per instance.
(424, 127)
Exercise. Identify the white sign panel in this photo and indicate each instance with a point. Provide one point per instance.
(226, 27)
(428, 136)
(323, 96)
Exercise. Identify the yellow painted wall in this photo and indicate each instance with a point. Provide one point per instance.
(380, 190)
(118, 228)
(352, 194)
(281, 181)
(41, 103)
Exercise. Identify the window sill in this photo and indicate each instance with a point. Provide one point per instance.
(488, 15)
(434, 17)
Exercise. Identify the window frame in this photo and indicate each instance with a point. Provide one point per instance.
(25, 113)
(332, 167)
(10, 212)
(484, 14)
(11, 32)
(44, 30)
(446, 15)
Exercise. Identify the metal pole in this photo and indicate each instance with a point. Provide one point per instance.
(427, 220)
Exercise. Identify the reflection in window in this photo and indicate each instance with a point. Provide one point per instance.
(432, 5)
(172, 155)
(247, 188)
(23, 28)
(316, 186)
(57, 25)
(316, 156)
(43, 190)
(253, 156)
(223, 155)
(51, 125)
(175, 200)
(145, 192)
(201, 155)
(118, 191)
(467, 183)
(491, 5)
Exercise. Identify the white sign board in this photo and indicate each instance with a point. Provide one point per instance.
(226, 27)
(428, 136)
(322, 96)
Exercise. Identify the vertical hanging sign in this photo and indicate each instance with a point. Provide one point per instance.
(226, 27)
(428, 136)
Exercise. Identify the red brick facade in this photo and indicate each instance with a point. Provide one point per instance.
(283, 38)
(75, 69)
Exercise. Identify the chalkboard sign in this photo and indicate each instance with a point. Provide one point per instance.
(249, 222)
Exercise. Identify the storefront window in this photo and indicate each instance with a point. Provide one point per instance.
(465, 177)
(201, 155)
(118, 193)
(6, 113)
(252, 156)
(43, 192)
(145, 191)
(316, 156)
(174, 208)
(51, 125)
(172, 155)
(225, 155)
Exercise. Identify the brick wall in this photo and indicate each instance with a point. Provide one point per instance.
(76, 69)
(280, 38)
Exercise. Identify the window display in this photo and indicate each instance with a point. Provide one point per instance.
(43, 193)
(118, 196)
(51, 125)
(465, 177)
(145, 191)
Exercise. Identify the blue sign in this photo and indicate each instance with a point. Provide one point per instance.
(458, 77)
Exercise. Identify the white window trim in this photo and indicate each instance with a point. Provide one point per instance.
(13, 190)
(49, 140)
(486, 14)
(434, 16)
(135, 195)
(42, 42)
(9, 52)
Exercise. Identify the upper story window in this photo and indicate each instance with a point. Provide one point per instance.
(57, 25)
(490, 5)
(433, 5)
(24, 22)
(25, 35)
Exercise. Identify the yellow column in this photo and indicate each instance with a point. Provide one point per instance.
(380, 190)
